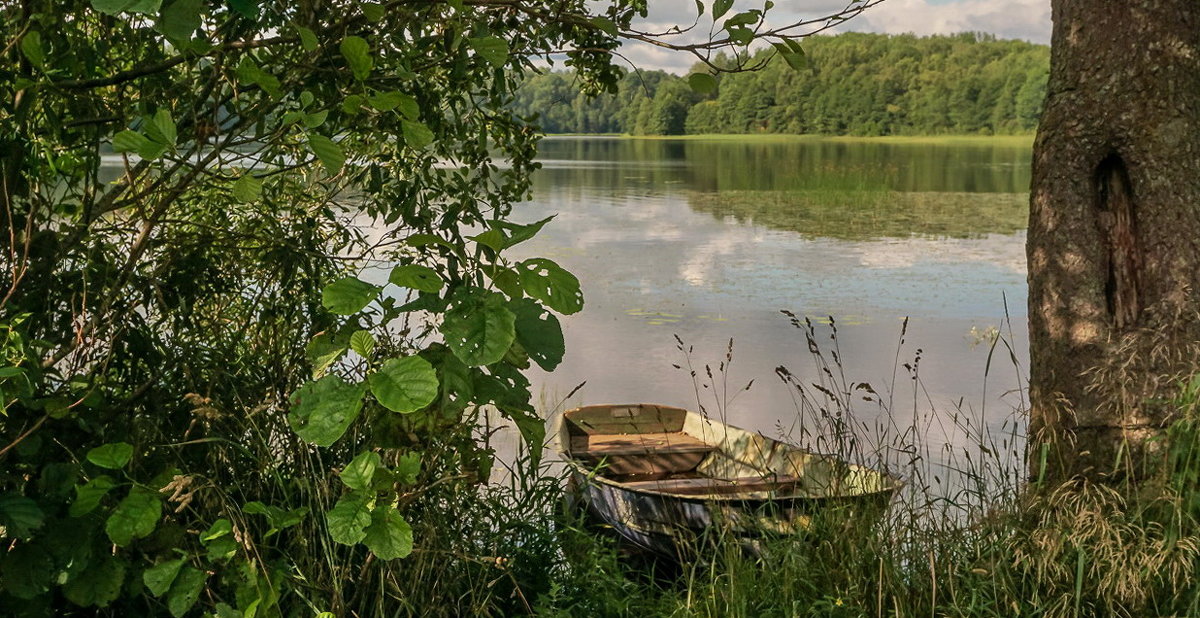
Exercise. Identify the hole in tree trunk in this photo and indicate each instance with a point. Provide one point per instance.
(1117, 217)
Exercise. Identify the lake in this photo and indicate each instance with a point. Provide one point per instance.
(709, 240)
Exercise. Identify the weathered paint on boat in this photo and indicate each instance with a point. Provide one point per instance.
(662, 476)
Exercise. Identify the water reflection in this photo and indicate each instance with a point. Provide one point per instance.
(652, 229)
(974, 166)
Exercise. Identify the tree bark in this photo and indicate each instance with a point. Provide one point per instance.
(1114, 229)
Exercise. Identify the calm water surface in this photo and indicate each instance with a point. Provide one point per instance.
(710, 240)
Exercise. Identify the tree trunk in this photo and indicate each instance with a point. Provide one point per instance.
(1114, 229)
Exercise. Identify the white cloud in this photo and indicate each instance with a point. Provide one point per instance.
(1007, 19)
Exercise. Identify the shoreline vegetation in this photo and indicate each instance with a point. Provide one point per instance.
(1019, 139)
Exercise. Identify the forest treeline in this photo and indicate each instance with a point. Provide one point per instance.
(855, 84)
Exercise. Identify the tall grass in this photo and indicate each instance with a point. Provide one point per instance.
(970, 535)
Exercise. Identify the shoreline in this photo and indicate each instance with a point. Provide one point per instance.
(1020, 139)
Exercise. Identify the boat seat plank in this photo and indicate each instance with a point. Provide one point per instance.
(615, 445)
(704, 485)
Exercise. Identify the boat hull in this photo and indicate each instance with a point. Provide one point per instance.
(676, 527)
(668, 479)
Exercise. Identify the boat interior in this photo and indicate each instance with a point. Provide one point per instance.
(662, 449)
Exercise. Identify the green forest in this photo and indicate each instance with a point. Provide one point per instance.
(854, 84)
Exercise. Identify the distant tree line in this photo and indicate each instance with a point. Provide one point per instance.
(855, 84)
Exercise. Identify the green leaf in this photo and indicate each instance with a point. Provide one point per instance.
(323, 352)
(180, 19)
(315, 119)
(88, 495)
(540, 333)
(349, 295)
(135, 517)
(248, 188)
(740, 34)
(457, 381)
(308, 38)
(408, 468)
(113, 456)
(116, 7)
(373, 11)
(404, 384)
(702, 82)
(245, 8)
(389, 536)
(362, 342)
(520, 233)
(323, 410)
(218, 529)
(533, 430)
(424, 240)
(161, 128)
(358, 473)
(550, 283)
(290, 118)
(508, 281)
(26, 570)
(491, 48)
(19, 515)
(606, 25)
(478, 327)
(416, 135)
(129, 141)
(158, 578)
(493, 239)
(248, 71)
(99, 584)
(185, 591)
(277, 518)
(31, 46)
(348, 518)
(132, 141)
(152, 151)
(353, 104)
(720, 8)
(745, 18)
(793, 56)
(328, 151)
(417, 277)
(387, 101)
(222, 549)
(358, 56)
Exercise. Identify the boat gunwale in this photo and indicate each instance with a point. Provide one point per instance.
(593, 476)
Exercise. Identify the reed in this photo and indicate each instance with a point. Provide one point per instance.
(969, 535)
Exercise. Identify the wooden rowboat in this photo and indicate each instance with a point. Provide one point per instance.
(662, 476)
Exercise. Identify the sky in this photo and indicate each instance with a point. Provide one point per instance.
(1009, 19)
